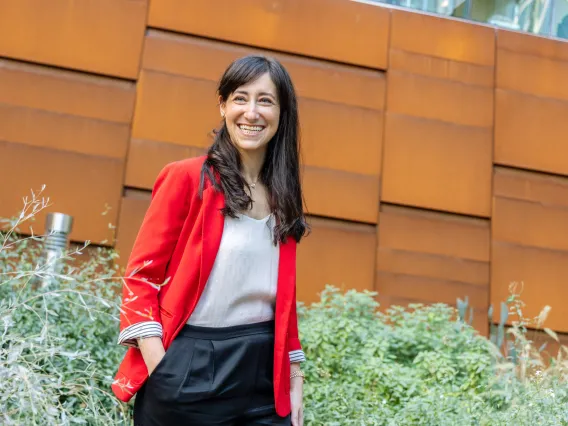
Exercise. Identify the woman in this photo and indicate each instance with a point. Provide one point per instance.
(209, 305)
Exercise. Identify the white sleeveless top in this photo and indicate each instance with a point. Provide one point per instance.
(241, 288)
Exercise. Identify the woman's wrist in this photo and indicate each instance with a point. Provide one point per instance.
(152, 350)
(296, 373)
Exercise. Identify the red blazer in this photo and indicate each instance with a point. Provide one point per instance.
(177, 245)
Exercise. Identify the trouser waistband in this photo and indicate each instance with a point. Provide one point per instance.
(222, 333)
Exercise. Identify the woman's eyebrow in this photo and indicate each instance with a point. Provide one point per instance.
(244, 92)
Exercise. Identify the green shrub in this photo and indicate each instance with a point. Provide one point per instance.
(58, 349)
(419, 365)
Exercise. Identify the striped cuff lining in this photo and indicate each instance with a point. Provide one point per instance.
(129, 335)
(297, 356)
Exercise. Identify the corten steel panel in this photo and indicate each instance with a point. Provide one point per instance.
(176, 105)
(340, 137)
(147, 158)
(432, 257)
(439, 99)
(175, 109)
(56, 117)
(338, 30)
(101, 36)
(433, 266)
(442, 37)
(530, 132)
(82, 186)
(532, 187)
(439, 114)
(437, 165)
(528, 247)
(533, 75)
(66, 92)
(541, 276)
(64, 132)
(431, 290)
(342, 195)
(532, 45)
(335, 253)
(133, 207)
(530, 223)
(434, 233)
(470, 74)
(175, 54)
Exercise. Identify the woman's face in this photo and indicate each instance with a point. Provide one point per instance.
(252, 113)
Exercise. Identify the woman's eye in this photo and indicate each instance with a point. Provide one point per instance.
(266, 100)
(239, 99)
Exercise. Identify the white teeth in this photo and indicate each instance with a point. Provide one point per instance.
(250, 128)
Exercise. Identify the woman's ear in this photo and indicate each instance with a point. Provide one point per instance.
(221, 107)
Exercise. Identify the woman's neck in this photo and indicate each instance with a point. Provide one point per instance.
(251, 164)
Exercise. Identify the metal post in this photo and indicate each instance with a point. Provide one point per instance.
(58, 226)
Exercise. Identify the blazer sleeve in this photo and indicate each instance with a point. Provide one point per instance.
(153, 248)
(294, 346)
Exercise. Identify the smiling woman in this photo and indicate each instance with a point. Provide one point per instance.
(256, 150)
(252, 113)
(209, 305)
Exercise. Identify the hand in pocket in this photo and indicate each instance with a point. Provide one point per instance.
(153, 364)
(152, 351)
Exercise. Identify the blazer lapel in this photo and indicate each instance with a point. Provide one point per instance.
(284, 299)
(212, 231)
(285, 288)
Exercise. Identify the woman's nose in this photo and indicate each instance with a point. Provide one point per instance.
(251, 113)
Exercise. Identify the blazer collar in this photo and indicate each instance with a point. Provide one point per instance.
(286, 283)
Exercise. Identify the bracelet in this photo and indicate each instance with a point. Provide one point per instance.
(297, 373)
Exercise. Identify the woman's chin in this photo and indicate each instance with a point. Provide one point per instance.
(250, 146)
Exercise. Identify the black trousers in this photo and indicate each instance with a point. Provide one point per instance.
(213, 376)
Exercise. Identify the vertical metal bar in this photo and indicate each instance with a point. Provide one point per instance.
(58, 226)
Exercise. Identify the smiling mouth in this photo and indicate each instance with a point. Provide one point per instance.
(250, 130)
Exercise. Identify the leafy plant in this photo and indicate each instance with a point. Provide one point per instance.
(422, 365)
(58, 350)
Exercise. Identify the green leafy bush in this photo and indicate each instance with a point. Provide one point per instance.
(58, 350)
(420, 365)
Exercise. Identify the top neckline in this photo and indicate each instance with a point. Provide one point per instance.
(264, 219)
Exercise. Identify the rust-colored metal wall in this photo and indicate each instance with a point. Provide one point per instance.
(434, 149)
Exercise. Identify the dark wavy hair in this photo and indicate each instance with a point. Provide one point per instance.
(280, 172)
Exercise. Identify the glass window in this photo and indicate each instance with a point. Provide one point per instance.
(542, 17)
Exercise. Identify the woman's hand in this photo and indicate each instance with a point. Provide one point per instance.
(152, 351)
(297, 397)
